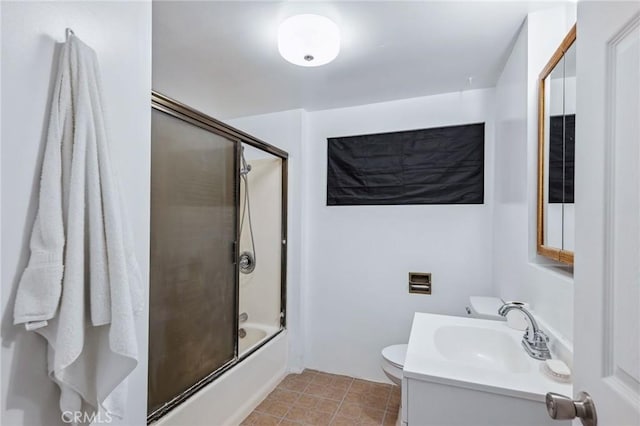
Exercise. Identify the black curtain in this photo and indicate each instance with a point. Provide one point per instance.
(443, 165)
(562, 158)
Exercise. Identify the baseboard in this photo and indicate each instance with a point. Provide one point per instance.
(295, 370)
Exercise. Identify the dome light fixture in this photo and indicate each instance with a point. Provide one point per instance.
(308, 40)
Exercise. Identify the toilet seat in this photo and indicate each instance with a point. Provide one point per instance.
(395, 355)
(392, 364)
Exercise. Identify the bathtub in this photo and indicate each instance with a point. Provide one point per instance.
(256, 333)
(231, 397)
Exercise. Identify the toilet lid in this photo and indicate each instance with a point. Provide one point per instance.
(395, 354)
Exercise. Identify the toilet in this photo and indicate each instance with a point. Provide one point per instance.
(393, 362)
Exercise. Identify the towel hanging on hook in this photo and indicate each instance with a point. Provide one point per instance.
(82, 287)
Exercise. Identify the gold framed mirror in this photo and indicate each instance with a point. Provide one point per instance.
(556, 153)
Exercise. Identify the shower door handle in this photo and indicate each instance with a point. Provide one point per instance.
(234, 252)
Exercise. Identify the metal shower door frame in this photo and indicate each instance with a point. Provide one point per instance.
(192, 116)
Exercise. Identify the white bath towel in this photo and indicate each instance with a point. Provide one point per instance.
(82, 286)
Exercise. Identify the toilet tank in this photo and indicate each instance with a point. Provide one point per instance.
(485, 307)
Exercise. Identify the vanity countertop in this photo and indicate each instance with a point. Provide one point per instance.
(477, 354)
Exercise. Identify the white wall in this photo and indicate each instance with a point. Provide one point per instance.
(285, 130)
(354, 263)
(120, 32)
(519, 274)
(359, 257)
(510, 210)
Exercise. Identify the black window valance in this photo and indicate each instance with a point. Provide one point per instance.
(443, 165)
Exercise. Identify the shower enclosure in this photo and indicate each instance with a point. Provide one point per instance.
(260, 246)
(218, 250)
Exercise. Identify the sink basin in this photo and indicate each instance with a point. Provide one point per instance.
(481, 347)
(476, 354)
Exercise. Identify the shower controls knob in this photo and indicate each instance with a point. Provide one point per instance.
(561, 407)
(247, 262)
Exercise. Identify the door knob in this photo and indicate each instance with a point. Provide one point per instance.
(561, 407)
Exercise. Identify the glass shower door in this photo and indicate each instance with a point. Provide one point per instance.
(193, 288)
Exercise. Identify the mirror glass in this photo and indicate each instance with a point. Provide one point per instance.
(557, 154)
(553, 158)
(568, 214)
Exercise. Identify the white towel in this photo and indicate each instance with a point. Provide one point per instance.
(82, 286)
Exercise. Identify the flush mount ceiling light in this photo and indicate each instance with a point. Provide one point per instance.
(309, 40)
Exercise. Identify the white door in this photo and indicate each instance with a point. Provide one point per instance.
(607, 255)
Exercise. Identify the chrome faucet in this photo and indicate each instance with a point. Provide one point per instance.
(534, 340)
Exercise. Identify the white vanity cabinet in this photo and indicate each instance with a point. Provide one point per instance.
(472, 372)
(427, 403)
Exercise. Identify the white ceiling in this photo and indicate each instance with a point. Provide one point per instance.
(222, 57)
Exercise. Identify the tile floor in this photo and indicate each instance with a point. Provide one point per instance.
(323, 399)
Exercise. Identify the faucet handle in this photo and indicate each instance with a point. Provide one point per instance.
(537, 347)
(540, 340)
(542, 336)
